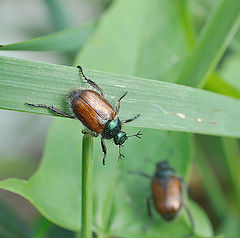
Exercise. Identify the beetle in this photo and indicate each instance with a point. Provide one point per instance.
(96, 113)
(166, 193)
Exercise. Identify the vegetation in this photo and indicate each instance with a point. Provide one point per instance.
(147, 48)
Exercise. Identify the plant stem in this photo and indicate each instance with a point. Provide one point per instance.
(87, 186)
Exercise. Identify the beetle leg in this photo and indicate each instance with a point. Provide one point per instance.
(90, 82)
(190, 220)
(118, 102)
(120, 154)
(53, 109)
(132, 119)
(141, 174)
(91, 133)
(148, 200)
(138, 135)
(104, 149)
(149, 211)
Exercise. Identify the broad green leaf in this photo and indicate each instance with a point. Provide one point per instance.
(55, 188)
(138, 43)
(119, 196)
(65, 40)
(212, 44)
(161, 105)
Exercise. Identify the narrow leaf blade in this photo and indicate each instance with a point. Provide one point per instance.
(161, 105)
(65, 40)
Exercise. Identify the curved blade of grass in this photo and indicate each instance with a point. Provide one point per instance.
(60, 18)
(187, 23)
(65, 40)
(161, 105)
(212, 45)
(215, 83)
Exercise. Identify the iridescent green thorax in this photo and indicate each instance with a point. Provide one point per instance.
(164, 170)
(113, 125)
(112, 128)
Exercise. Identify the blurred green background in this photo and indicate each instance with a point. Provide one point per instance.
(211, 163)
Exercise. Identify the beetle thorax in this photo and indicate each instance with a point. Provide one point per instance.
(112, 128)
(164, 173)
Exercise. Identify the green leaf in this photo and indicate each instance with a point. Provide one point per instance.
(65, 40)
(119, 196)
(60, 18)
(137, 44)
(230, 71)
(161, 105)
(55, 189)
(215, 83)
(212, 44)
(210, 181)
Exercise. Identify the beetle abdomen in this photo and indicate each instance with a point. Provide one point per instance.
(91, 109)
(167, 196)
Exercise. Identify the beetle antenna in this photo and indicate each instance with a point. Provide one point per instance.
(138, 135)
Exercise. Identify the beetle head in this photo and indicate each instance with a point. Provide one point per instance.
(120, 138)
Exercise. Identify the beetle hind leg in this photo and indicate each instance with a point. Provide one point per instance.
(90, 82)
(149, 211)
(53, 109)
(118, 102)
(148, 201)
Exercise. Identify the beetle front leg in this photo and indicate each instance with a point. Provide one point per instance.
(120, 154)
(131, 119)
(104, 149)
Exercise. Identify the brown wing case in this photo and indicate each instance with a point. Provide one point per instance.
(167, 196)
(93, 110)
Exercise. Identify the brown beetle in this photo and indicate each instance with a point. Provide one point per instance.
(166, 193)
(96, 113)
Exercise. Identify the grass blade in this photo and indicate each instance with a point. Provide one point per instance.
(215, 83)
(87, 185)
(212, 45)
(65, 40)
(161, 105)
(58, 14)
